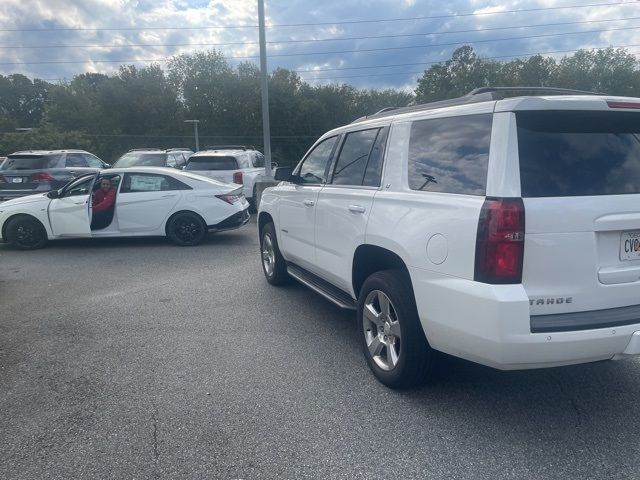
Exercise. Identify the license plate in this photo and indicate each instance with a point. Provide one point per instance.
(17, 180)
(630, 246)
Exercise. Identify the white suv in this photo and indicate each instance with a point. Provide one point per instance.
(505, 231)
(232, 164)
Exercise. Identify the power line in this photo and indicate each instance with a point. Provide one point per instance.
(347, 22)
(495, 57)
(360, 50)
(314, 40)
(521, 56)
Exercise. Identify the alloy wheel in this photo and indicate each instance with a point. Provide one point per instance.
(382, 330)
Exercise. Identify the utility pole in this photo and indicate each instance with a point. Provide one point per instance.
(264, 87)
(195, 131)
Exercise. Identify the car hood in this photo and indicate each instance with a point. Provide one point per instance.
(38, 197)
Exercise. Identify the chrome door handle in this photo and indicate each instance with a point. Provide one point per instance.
(169, 195)
(356, 209)
(84, 202)
(308, 203)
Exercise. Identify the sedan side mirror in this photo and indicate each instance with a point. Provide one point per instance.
(106, 165)
(283, 174)
(53, 194)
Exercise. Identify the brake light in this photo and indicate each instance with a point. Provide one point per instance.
(42, 177)
(230, 197)
(500, 241)
(237, 178)
(635, 105)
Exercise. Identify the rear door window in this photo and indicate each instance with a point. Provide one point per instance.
(450, 154)
(30, 162)
(75, 160)
(354, 157)
(150, 182)
(578, 153)
(207, 163)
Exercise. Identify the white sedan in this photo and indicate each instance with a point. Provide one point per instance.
(124, 202)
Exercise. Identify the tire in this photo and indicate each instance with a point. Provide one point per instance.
(273, 264)
(253, 204)
(393, 341)
(26, 233)
(186, 229)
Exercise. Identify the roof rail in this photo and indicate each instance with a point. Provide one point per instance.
(145, 150)
(482, 94)
(178, 149)
(229, 147)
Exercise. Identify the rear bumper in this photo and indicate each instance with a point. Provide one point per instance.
(491, 325)
(236, 220)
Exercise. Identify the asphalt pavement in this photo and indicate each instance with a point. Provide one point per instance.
(137, 359)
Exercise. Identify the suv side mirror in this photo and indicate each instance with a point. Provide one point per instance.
(53, 194)
(283, 174)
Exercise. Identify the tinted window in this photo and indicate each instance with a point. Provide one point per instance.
(353, 157)
(258, 160)
(314, 167)
(374, 167)
(450, 154)
(93, 162)
(75, 160)
(79, 187)
(150, 182)
(30, 162)
(212, 163)
(137, 159)
(171, 160)
(565, 153)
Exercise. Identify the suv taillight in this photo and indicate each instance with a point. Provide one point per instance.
(42, 177)
(500, 241)
(237, 178)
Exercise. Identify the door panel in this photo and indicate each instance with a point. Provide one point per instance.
(341, 221)
(297, 218)
(69, 216)
(144, 211)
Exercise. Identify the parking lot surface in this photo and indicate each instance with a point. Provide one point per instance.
(136, 359)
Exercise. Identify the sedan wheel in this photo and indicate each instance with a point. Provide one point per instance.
(186, 229)
(26, 233)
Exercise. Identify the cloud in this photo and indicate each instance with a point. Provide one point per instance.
(322, 50)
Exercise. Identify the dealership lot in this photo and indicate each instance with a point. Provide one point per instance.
(133, 358)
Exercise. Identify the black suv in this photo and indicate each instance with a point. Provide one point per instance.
(39, 171)
(154, 157)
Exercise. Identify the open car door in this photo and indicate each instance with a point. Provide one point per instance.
(69, 214)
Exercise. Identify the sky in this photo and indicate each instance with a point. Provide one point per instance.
(365, 43)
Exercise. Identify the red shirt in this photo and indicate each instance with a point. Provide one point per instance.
(104, 201)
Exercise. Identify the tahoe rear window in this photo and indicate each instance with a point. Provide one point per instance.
(30, 162)
(578, 153)
(450, 154)
(212, 163)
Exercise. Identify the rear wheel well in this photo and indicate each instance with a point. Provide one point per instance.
(166, 224)
(263, 219)
(17, 215)
(369, 259)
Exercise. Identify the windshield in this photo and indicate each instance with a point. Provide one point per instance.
(138, 159)
(30, 162)
(578, 153)
(212, 163)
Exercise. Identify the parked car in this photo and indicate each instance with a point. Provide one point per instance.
(33, 171)
(505, 231)
(148, 202)
(154, 157)
(230, 163)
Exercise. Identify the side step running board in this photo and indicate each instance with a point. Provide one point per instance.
(321, 286)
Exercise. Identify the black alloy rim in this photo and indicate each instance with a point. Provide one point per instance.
(187, 229)
(27, 235)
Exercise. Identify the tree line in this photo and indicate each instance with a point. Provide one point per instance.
(146, 107)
